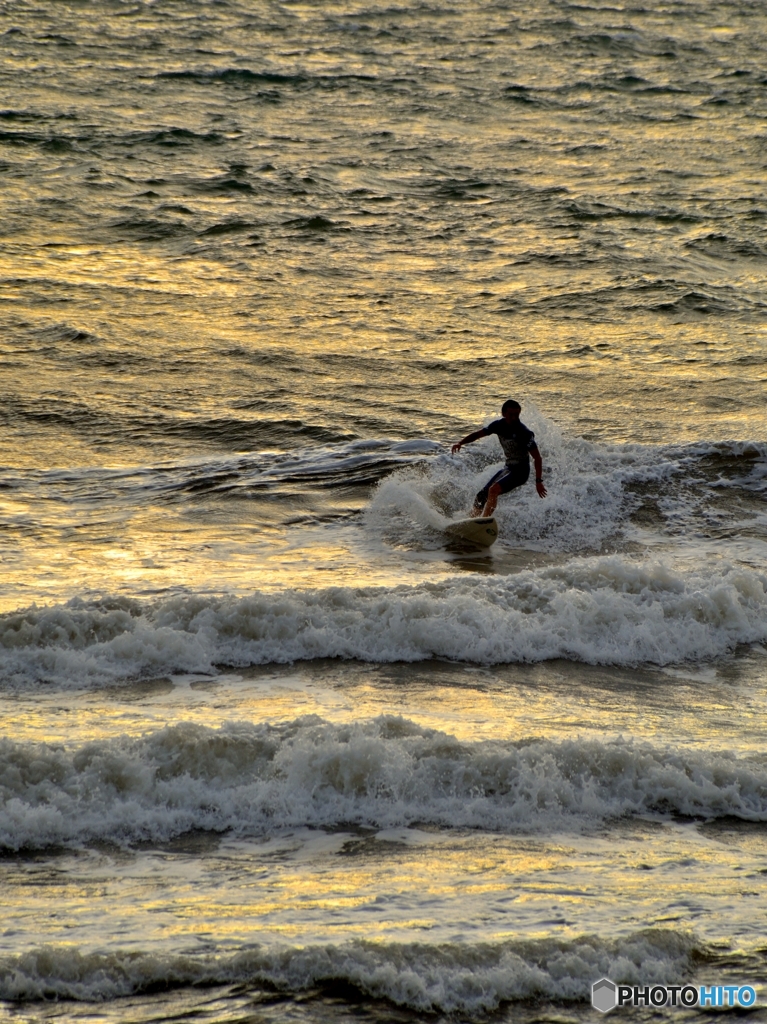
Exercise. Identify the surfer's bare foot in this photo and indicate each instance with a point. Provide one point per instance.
(476, 510)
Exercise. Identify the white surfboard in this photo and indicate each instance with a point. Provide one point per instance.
(482, 531)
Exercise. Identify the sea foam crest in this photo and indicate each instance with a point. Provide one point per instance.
(253, 779)
(603, 610)
(591, 491)
(449, 978)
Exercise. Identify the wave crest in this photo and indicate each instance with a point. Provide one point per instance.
(253, 779)
(607, 611)
(447, 978)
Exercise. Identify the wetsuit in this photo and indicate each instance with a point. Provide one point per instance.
(517, 443)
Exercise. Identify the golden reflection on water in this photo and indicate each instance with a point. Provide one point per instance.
(446, 317)
(313, 887)
(557, 700)
(175, 556)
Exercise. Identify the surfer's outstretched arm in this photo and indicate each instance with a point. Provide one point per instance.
(475, 436)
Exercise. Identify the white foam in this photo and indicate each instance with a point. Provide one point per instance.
(587, 504)
(447, 978)
(601, 610)
(385, 773)
(592, 491)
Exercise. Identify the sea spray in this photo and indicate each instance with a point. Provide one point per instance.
(609, 610)
(255, 779)
(447, 978)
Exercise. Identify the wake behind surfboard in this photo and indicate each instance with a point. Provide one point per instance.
(482, 530)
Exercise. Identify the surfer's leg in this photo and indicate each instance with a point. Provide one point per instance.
(502, 483)
(492, 499)
(481, 499)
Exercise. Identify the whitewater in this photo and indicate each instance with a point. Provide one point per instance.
(606, 610)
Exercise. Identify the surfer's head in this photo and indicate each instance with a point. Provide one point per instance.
(511, 409)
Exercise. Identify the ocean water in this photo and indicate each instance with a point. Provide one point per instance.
(273, 749)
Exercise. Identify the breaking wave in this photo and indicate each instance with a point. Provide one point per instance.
(597, 493)
(448, 978)
(609, 610)
(254, 779)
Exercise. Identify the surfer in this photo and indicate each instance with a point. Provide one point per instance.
(518, 445)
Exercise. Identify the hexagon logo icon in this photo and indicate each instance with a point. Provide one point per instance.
(603, 995)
